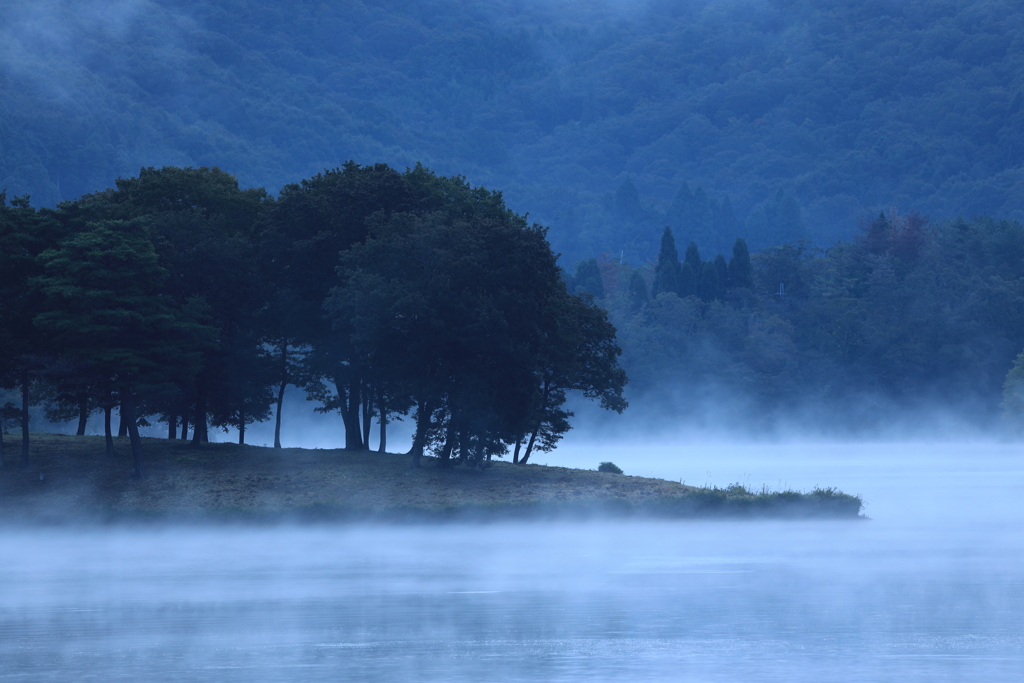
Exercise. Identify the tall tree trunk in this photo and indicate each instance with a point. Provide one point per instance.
(122, 426)
(172, 426)
(241, 430)
(2, 462)
(352, 418)
(280, 394)
(348, 394)
(184, 426)
(128, 414)
(449, 444)
(515, 453)
(529, 446)
(24, 418)
(107, 433)
(419, 442)
(83, 415)
(367, 415)
(540, 421)
(199, 435)
(382, 411)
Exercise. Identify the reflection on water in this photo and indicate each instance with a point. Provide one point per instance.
(923, 592)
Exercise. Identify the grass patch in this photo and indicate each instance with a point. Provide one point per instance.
(72, 480)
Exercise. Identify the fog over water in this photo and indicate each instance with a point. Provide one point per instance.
(930, 589)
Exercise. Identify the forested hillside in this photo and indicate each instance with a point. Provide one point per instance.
(783, 118)
(906, 318)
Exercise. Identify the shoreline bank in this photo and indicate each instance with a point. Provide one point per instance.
(71, 480)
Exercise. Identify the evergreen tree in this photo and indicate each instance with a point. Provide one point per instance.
(666, 272)
(693, 257)
(722, 272)
(202, 227)
(105, 307)
(740, 271)
(25, 350)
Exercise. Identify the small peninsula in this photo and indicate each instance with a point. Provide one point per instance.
(70, 480)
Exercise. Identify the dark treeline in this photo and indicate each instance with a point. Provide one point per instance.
(908, 314)
(180, 298)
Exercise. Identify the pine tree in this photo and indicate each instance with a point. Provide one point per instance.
(105, 306)
(722, 271)
(740, 272)
(693, 257)
(666, 273)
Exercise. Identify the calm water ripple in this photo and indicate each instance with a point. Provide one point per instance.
(932, 589)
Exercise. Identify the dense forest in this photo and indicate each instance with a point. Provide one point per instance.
(907, 315)
(771, 206)
(773, 119)
(179, 297)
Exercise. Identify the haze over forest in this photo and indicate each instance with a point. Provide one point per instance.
(869, 155)
(847, 107)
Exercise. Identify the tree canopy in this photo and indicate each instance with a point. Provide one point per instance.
(178, 295)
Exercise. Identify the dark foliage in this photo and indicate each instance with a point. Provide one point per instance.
(776, 120)
(178, 296)
(906, 314)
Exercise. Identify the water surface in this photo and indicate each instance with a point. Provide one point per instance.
(931, 589)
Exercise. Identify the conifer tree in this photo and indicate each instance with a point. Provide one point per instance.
(666, 273)
(722, 271)
(693, 257)
(740, 272)
(103, 289)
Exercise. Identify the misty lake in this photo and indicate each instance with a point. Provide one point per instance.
(930, 589)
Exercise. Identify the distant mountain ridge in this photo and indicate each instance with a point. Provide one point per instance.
(835, 108)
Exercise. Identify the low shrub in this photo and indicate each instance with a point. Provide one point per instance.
(609, 467)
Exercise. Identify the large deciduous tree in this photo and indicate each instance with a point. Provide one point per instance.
(304, 232)
(468, 317)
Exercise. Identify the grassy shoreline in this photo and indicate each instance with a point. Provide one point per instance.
(71, 480)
